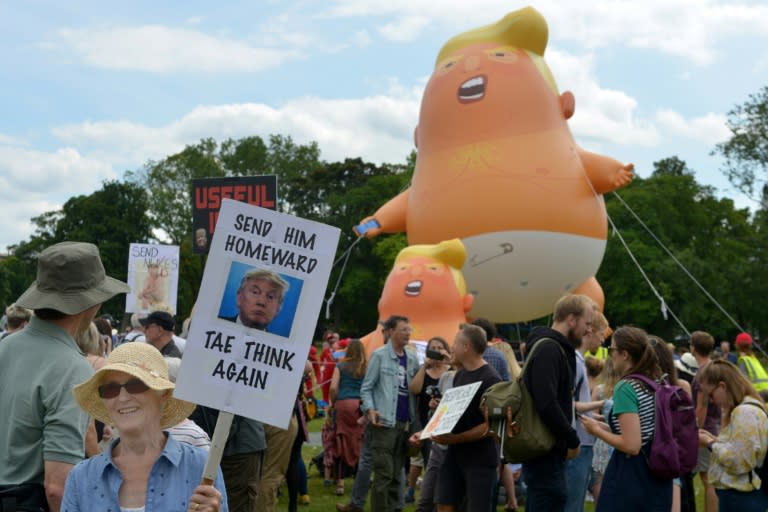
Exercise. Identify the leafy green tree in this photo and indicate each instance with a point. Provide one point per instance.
(338, 193)
(352, 190)
(112, 218)
(746, 152)
(169, 181)
(191, 267)
(708, 236)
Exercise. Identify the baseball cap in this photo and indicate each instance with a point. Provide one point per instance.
(161, 318)
(743, 339)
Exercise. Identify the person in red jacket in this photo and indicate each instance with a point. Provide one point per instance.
(327, 364)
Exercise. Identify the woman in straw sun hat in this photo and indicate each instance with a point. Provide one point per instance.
(144, 470)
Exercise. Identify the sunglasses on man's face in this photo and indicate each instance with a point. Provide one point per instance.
(112, 389)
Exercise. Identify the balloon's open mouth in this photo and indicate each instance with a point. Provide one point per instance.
(413, 288)
(472, 90)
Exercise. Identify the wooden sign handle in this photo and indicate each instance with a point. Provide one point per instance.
(220, 435)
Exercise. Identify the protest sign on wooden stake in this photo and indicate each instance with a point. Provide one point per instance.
(256, 312)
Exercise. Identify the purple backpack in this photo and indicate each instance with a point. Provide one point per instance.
(675, 445)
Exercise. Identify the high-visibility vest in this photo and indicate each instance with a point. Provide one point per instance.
(602, 353)
(755, 372)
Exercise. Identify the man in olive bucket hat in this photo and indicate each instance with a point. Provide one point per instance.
(42, 435)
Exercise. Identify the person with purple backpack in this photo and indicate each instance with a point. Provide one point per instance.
(628, 483)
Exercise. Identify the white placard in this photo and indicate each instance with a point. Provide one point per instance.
(421, 350)
(247, 347)
(153, 275)
(453, 404)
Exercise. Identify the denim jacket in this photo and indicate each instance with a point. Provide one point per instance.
(380, 385)
(94, 484)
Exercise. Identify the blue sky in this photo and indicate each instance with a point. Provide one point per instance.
(91, 89)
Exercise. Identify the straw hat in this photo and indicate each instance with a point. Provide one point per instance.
(70, 279)
(144, 362)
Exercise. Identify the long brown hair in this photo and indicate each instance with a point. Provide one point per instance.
(609, 378)
(355, 356)
(635, 342)
(664, 355)
(737, 386)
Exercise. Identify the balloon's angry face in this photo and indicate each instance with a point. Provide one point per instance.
(483, 91)
(421, 283)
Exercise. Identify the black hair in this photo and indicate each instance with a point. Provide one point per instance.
(486, 325)
(391, 322)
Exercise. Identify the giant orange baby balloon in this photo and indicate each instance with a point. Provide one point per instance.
(425, 285)
(497, 167)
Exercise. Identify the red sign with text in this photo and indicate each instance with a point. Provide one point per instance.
(207, 194)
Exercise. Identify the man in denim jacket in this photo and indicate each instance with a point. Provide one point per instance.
(390, 409)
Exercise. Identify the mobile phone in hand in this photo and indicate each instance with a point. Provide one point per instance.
(362, 228)
(434, 354)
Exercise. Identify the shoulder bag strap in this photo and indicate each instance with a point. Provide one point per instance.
(533, 351)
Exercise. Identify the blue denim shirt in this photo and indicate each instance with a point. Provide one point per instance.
(380, 385)
(94, 483)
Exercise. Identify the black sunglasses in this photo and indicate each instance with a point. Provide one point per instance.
(112, 389)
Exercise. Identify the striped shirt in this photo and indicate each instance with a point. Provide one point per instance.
(631, 396)
(188, 432)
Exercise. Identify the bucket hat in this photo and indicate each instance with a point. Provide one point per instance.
(687, 364)
(70, 279)
(144, 362)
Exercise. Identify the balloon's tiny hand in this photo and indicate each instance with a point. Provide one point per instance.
(624, 175)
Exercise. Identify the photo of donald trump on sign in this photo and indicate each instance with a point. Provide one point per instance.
(261, 299)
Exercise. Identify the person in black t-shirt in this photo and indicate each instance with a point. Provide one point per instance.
(469, 472)
(424, 386)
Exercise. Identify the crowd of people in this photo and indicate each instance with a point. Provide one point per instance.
(93, 424)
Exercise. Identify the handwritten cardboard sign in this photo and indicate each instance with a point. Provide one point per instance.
(153, 275)
(452, 406)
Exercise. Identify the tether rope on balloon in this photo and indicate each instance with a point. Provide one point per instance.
(664, 307)
(678, 263)
(329, 301)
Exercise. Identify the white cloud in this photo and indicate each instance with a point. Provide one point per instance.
(404, 29)
(27, 170)
(602, 115)
(687, 28)
(361, 39)
(709, 129)
(378, 128)
(9, 140)
(33, 182)
(160, 49)
(17, 221)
